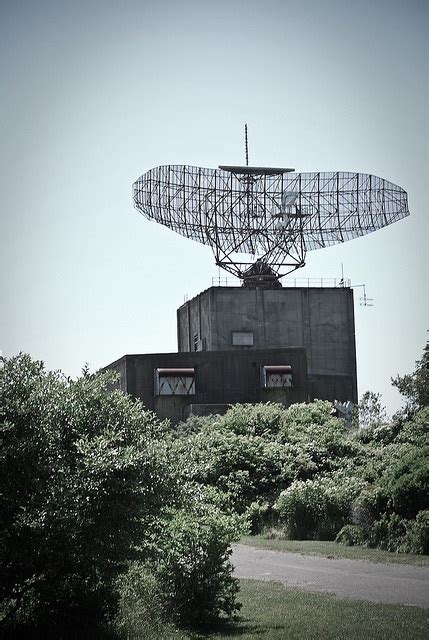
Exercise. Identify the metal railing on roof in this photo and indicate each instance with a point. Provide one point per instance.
(289, 282)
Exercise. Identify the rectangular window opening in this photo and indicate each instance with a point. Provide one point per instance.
(175, 382)
(242, 338)
(276, 376)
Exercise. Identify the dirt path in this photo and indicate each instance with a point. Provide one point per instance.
(391, 583)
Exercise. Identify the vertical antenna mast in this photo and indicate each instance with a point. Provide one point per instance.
(246, 145)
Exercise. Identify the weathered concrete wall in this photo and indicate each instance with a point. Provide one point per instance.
(319, 319)
(220, 378)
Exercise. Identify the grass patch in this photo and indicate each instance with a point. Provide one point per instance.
(333, 550)
(274, 612)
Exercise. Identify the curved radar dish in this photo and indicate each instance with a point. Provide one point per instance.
(263, 220)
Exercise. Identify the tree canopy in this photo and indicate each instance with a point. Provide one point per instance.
(89, 487)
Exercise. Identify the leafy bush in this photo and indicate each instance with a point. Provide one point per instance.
(317, 509)
(89, 484)
(400, 535)
(186, 578)
(370, 412)
(350, 535)
(367, 507)
(190, 560)
(140, 614)
(81, 470)
(314, 430)
(317, 413)
(399, 477)
(417, 536)
(255, 451)
(388, 532)
(298, 468)
(414, 430)
(194, 424)
(258, 515)
(407, 483)
(300, 509)
(263, 419)
(245, 468)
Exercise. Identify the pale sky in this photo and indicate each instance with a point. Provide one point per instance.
(93, 94)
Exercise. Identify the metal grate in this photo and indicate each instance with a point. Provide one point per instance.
(275, 217)
(276, 376)
(175, 382)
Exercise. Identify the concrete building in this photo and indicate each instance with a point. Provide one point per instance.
(173, 385)
(318, 319)
(238, 344)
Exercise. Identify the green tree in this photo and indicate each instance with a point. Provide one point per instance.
(371, 413)
(82, 471)
(415, 386)
(96, 507)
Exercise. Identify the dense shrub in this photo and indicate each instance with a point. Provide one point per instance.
(140, 613)
(301, 508)
(414, 430)
(77, 465)
(255, 451)
(265, 420)
(191, 564)
(317, 413)
(193, 424)
(393, 533)
(407, 483)
(186, 577)
(245, 468)
(298, 468)
(314, 430)
(367, 507)
(350, 535)
(388, 532)
(417, 536)
(89, 484)
(370, 412)
(258, 515)
(317, 509)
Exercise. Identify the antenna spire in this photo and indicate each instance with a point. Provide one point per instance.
(246, 145)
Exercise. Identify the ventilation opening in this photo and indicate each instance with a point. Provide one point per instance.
(175, 382)
(276, 376)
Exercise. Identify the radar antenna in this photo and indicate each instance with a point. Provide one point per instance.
(261, 221)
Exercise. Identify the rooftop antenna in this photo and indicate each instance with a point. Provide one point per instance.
(341, 283)
(246, 145)
(364, 301)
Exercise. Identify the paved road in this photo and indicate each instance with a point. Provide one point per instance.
(391, 583)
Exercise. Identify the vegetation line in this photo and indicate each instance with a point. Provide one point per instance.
(329, 549)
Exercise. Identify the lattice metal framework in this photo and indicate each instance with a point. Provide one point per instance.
(271, 215)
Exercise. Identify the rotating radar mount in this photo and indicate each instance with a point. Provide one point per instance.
(261, 221)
